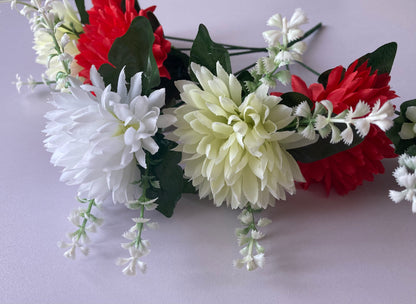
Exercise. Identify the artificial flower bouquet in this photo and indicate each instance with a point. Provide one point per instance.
(143, 122)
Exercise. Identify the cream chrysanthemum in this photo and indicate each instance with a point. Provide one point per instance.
(44, 44)
(99, 138)
(232, 149)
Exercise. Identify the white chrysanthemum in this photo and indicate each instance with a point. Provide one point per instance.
(44, 44)
(99, 139)
(232, 149)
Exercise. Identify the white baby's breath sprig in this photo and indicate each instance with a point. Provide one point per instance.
(248, 237)
(86, 222)
(405, 176)
(137, 246)
(31, 83)
(56, 28)
(325, 123)
(283, 50)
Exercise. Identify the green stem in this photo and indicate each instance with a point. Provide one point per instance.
(246, 68)
(247, 52)
(229, 46)
(397, 113)
(22, 3)
(145, 184)
(81, 231)
(139, 229)
(179, 39)
(308, 68)
(72, 31)
(307, 34)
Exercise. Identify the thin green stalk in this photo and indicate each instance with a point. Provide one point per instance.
(308, 68)
(247, 52)
(81, 231)
(139, 228)
(228, 46)
(307, 34)
(179, 39)
(246, 68)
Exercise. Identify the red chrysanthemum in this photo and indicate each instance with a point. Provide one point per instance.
(346, 170)
(108, 22)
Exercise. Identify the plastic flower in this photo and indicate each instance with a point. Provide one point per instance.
(44, 44)
(287, 31)
(346, 170)
(99, 138)
(233, 149)
(405, 177)
(108, 22)
(408, 130)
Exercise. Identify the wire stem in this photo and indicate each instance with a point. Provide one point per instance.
(308, 68)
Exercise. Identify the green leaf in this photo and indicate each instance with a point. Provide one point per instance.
(323, 148)
(82, 11)
(382, 59)
(401, 145)
(164, 166)
(177, 65)
(411, 151)
(188, 187)
(154, 22)
(323, 78)
(134, 52)
(245, 78)
(123, 6)
(292, 99)
(206, 52)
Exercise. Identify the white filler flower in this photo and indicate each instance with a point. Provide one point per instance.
(45, 44)
(99, 138)
(233, 149)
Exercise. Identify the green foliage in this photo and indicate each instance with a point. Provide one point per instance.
(82, 11)
(134, 52)
(123, 5)
(293, 99)
(164, 166)
(154, 22)
(177, 65)
(323, 148)
(381, 60)
(323, 78)
(402, 145)
(206, 52)
(246, 80)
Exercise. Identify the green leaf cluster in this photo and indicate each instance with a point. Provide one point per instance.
(82, 11)
(402, 145)
(164, 166)
(206, 52)
(133, 52)
(177, 65)
(380, 61)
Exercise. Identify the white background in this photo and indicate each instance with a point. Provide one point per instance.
(360, 248)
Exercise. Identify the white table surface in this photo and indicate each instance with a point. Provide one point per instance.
(360, 248)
